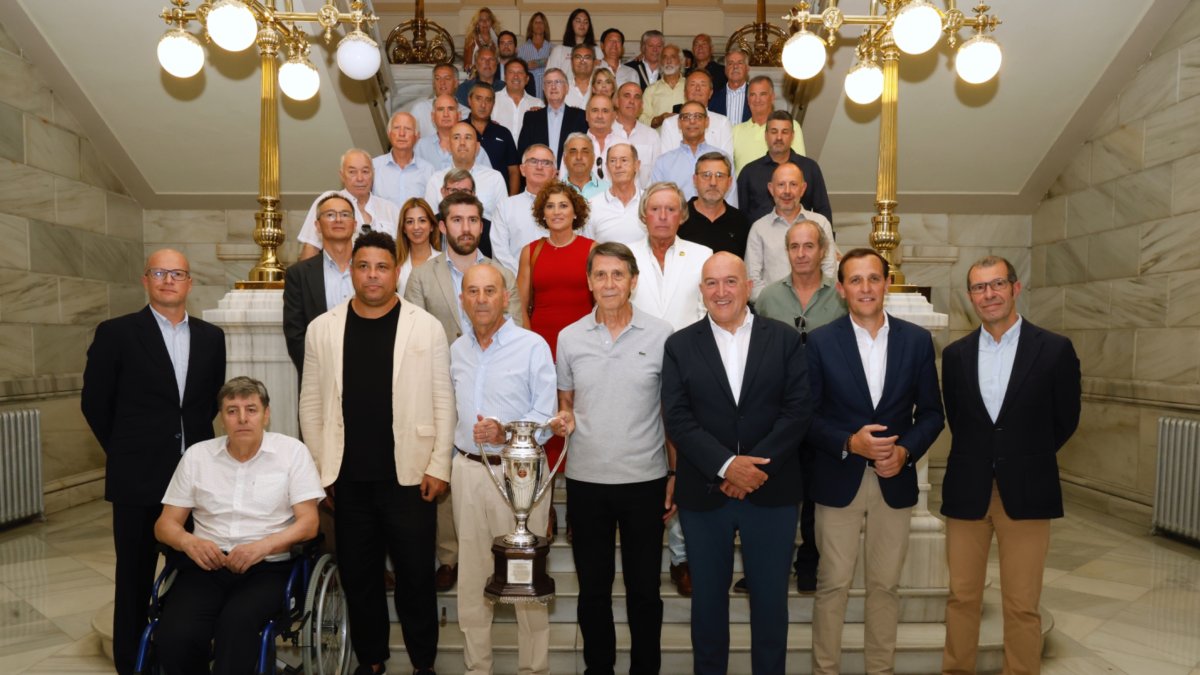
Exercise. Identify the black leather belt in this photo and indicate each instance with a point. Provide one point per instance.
(494, 460)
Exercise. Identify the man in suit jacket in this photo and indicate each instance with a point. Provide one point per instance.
(737, 72)
(1012, 400)
(736, 403)
(315, 284)
(536, 125)
(878, 410)
(149, 391)
(377, 412)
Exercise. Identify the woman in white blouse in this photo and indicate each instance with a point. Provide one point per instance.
(578, 32)
(419, 238)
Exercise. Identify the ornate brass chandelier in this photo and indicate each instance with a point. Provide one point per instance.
(234, 25)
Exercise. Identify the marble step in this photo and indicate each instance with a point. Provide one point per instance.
(916, 604)
(919, 646)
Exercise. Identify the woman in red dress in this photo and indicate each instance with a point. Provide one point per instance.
(552, 278)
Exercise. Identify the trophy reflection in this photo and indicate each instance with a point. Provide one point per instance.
(520, 556)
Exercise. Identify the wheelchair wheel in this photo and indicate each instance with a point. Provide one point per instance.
(327, 628)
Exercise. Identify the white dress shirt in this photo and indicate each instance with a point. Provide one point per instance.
(733, 348)
(873, 352)
(385, 217)
(610, 220)
(576, 98)
(513, 229)
(719, 134)
(996, 364)
(671, 292)
(510, 114)
(490, 188)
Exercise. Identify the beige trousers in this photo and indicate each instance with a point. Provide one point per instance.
(885, 544)
(447, 537)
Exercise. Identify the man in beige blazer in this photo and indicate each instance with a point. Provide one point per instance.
(436, 288)
(376, 402)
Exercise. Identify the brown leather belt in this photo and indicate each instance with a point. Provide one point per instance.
(494, 460)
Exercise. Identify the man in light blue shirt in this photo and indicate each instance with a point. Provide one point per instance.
(679, 165)
(501, 373)
(399, 174)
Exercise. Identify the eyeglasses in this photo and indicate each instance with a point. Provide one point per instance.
(802, 326)
(584, 57)
(709, 175)
(334, 215)
(995, 284)
(692, 116)
(159, 274)
(544, 163)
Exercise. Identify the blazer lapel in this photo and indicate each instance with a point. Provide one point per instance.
(445, 284)
(707, 345)
(970, 370)
(854, 365)
(1028, 346)
(895, 350)
(316, 284)
(758, 338)
(404, 329)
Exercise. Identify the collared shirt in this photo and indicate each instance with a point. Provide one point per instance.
(778, 301)
(399, 184)
(735, 102)
(996, 359)
(615, 136)
(589, 189)
(490, 187)
(499, 145)
(423, 111)
(235, 503)
(513, 379)
(511, 114)
(465, 88)
(456, 279)
(576, 98)
(750, 142)
(727, 233)
(338, 287)
(385, 216)
(617, 384)
(660, 98)
(873, 352)
(430, 150)
(719, 134)
(178, 339)
(554, 122)
(733, 348)
(755, 199)
(623, 73)
(679, 165)
(513, 229)
(646, 140)
(766, 255)
(611, 220)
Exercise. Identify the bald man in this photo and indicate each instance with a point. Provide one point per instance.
(149, 391)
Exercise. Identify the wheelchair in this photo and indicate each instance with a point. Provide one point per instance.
(312, 618)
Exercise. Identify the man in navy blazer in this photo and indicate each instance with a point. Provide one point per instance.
(1012, 400)
(535, 127)
(149, 390)
(878, 409)
(736, 406)
(737, 72)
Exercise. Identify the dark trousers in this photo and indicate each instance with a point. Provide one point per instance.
(219, 613)
(767, 535)
(806, 553)
(598, 511)
(133, 540)
(374, 519)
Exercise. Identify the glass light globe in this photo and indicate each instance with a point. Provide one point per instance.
(180, 53)
(231, 25)
(299, 79)
(358, 56)
(803, 55)
(864, 83)
(978, 59)
(917, 27)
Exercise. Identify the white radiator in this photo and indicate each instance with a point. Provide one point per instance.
(20, 465)
(1177, 498)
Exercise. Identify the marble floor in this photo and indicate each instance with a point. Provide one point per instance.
(1122, 601)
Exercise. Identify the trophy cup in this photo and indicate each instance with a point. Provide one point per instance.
(520, 556)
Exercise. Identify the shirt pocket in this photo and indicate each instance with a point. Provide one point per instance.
(269, 491)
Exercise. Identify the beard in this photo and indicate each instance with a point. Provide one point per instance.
(465, 244)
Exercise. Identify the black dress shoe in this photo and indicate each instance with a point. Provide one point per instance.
(806, 580)
(741, 586)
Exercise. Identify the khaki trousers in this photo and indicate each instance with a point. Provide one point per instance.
(885, 545)
(1023, 545)
(447, 537)
(481, 515)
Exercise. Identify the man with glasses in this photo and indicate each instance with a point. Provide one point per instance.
(1012, 394)
(515, 227)
(371, 211)
(490, 186)
(766, 260)
(660, 98)
(753, 179)
(715, 222)
(551, 125)
(698, 87)
(583, 62)
(613, 214)
(149, 391)
(678, 165)
(730, 99)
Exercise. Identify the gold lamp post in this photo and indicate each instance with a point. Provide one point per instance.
(893, 27)
(234, 25)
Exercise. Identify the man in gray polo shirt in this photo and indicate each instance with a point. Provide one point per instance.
(621, 475)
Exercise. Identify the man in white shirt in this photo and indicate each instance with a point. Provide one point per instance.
(445, 82)
(514, 226)
(640, 136)
(613, 214)
(766, 260)
(512, 102)
(399, 174)
(612, 43)
(601, 114)
(698, 87)
(583, 62)
(372, 213)
(490, 186)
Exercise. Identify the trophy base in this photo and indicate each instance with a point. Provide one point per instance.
(520, 573)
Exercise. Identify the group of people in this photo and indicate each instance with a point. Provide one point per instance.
(652, 274)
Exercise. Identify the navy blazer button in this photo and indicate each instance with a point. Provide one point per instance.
(178, 435)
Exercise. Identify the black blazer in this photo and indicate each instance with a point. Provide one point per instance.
(131, 402)
(910, 406)
(303, 301)
(536, 129)
(707, 427)
(717, 104)
(1039, 413)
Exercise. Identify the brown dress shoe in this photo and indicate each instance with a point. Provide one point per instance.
(681, 576)
(445, 578)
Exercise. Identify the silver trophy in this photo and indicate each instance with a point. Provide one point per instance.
(520, 556)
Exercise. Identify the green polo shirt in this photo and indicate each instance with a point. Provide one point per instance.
(778, 301)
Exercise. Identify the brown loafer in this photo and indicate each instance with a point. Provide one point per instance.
(681, 576)
(445, 578)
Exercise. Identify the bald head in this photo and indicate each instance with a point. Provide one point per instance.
(484, 298)
(167, 293)
(724, 262)
(725, 287)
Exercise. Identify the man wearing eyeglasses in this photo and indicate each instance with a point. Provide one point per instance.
(371, 211)
(1012, 395)
(583, 62)
(515, 227)
(698, 87)
(613, 214)
(678, 165)
(149, 391)
(767, 261)
(715, 222)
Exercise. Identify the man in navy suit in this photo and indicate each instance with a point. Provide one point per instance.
(737, 72)
(1012, 400)
(736, 405)
(538, 125)
(878, 410)
(149, 390)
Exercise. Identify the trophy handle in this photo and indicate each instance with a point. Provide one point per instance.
(561, 457)
(487, 465)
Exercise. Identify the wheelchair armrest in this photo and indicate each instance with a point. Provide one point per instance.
(305, 548)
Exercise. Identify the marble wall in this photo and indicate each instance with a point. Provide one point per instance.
(1115, 265)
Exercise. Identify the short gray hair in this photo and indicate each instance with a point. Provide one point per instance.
(822, 239)
(455, 175)
(244, 387)
(613, 249)
(660, 187)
